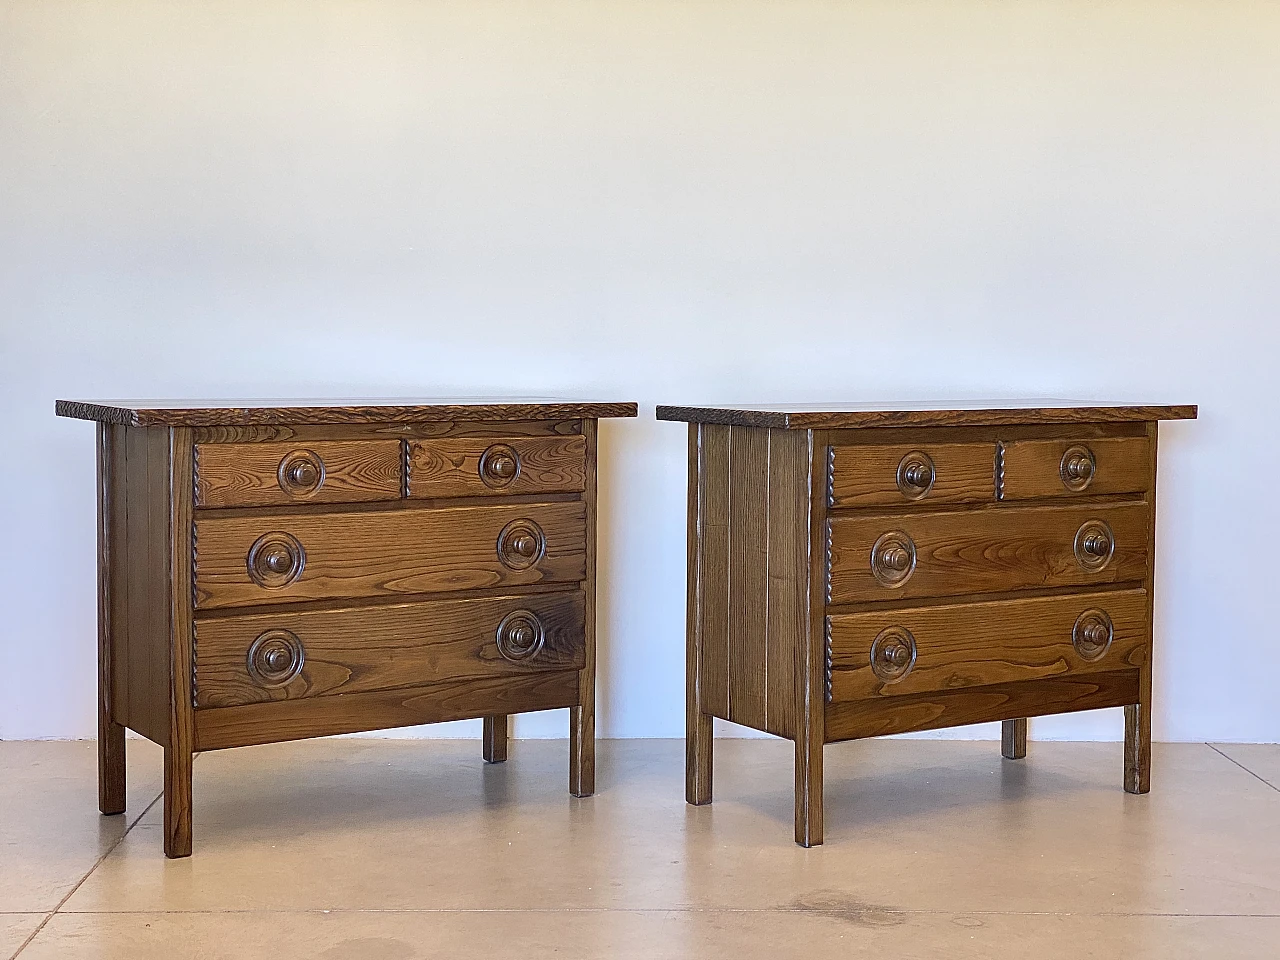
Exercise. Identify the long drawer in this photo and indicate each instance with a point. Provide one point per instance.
(957, 646)
(272, 558)
(985, 551)
(291, 654)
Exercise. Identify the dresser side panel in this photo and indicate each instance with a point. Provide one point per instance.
(748, 573)
(713, 576)
(116, 571)
(788, 563)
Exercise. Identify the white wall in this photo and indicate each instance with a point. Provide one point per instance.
(660, 201)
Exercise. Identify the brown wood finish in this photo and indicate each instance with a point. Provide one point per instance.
(411, 551)
(977, 644)
(1137, 716)
(810, 655)
(699, 724)
(464, 466)
(582, 716)
(256, 474)
(494, 739)
(111, 756)
(1033, 468)
(988, 551)
(313, 432)
(862, 475)
(1013, 739)
(357, 649)
(177, 493)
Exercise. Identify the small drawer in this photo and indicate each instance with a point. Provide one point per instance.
(275, 474)
(261, 558)
(1075, 468)
(931, 649)
(866, 475)
(985, 551)
(316, 653)
(485, 466)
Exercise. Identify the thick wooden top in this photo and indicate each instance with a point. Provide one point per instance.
(216, 413)
(968, 413)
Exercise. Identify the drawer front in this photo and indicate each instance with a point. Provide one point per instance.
(274, 474)
(889, 475)
(952, 647)
(484, 466)
(985, 551)
(1075, 468)
(263, 558)
(287, 655)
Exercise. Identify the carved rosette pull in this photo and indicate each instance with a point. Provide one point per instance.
(1092, 634)
(893, 654)
(276, 560)
(521, 544)
(1077, 468)
(520, 636)
(893, 558)
(1095, 545)
(499, 465)
(275, 658)
(301, 473)
(916, 475)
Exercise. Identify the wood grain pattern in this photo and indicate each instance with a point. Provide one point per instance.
(111, 748)
(247, 474)
(864, 475)
(854, 719)
(1013, 739)
(978, 413)
(582, 716)
(748, 574)
(410, 551)
(494, 739)
(283, 720)
(811, 659)
(314, 432)
(358, 649)
(976, 644)
(713, 586)
(788, 566)
(1137, 716)
(986, 551)
(1032, 468)
(176, 495)
(450, 467)
(199, 413)
(699, 726)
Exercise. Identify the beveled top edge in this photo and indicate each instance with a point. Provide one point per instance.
(978, 413)
(213, 413)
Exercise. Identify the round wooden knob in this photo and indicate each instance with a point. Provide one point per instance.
(275, 658)
(893, 654)
(499, 465)
(1092, 634)
(521, 544)
(1077, 468)
(301, 473)
(893, 558)
(1095, 545)
(520, 635)
(276, 560)
(916, 474)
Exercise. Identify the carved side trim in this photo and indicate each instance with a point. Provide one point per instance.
(999, 470)
(829, 665)
(831, 476)
(406, 464)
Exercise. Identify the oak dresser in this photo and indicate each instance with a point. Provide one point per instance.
(284, 569)
(862, 571)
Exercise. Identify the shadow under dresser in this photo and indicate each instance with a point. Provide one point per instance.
(277, 570)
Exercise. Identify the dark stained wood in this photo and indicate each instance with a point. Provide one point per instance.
(976, 644)
(111, 756)
(748, 574)
(1137, 716)
(811, 659)
(862, 475)
(1013, 739)
(713, 593)
(256, 723)
(854, 719)
(966, 552)
(248, 474)
(216, 413)
(388, 553)
(494, 739)
(1032, 468)
(699, 725)
(313, 432)
(976, 413)
(177, 494)
(451, 467)
(357, 649)
(582, 717)
(788, 625)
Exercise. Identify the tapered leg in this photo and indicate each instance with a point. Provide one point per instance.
(177, 802)
(808, 792)
(111, 779)
(1013, 739)
(494, 747)
(1137, 748)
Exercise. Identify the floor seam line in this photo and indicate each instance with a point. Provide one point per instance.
(719, 909)
(1243, 767)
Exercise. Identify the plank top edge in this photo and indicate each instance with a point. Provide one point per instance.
(976, 414)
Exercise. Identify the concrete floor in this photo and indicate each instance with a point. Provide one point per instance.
(397, 850)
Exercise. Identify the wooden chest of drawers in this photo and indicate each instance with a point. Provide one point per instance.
(278, 570)
(861, 571)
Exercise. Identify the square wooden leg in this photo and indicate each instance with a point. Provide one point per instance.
(177, 802)
(1137, 748)
(494, 747)
(582, 750)
(111, 780)
(808, 791)
(1013, 739)
(698, 742)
